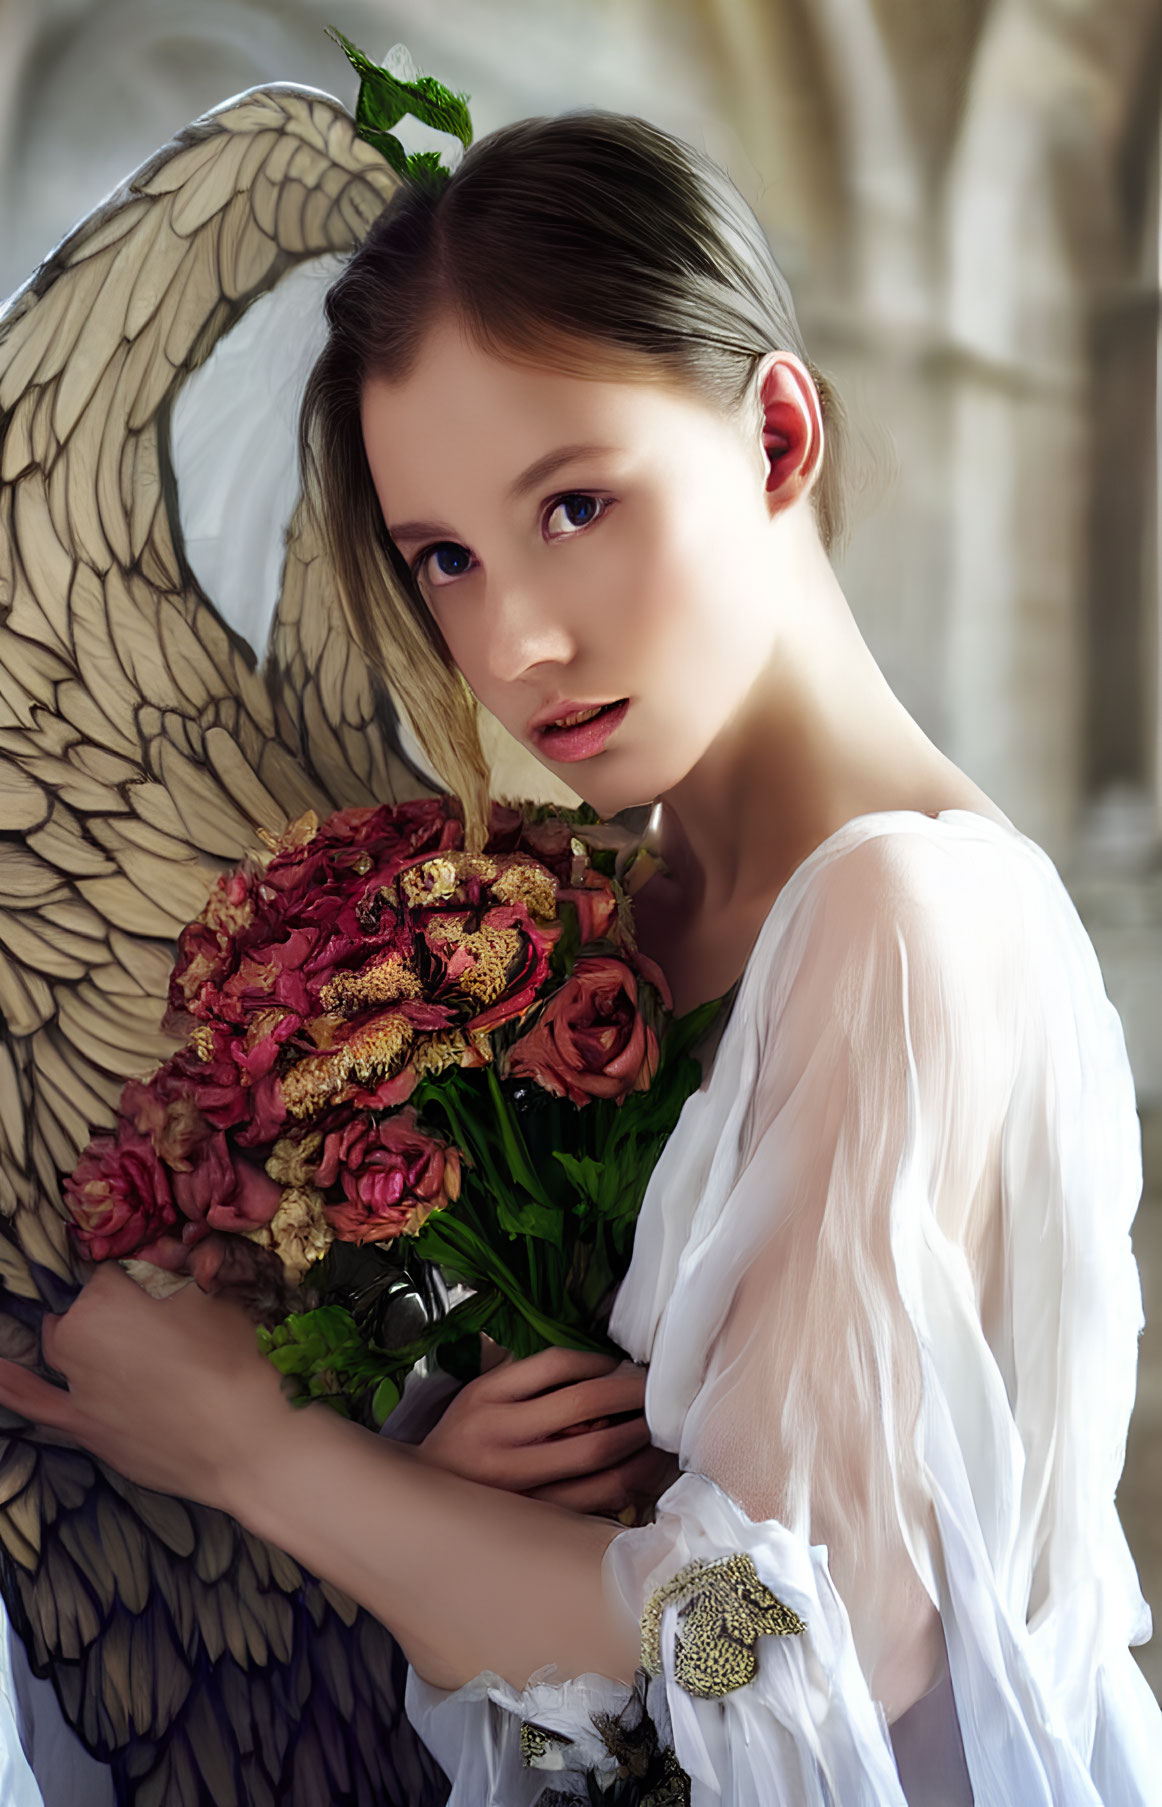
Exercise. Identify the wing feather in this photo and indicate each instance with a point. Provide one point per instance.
(279, 158)
(246, 256)
(240, 780)
(25, 999)
(263, 196)
(18, 452)
(118, 224)
(208, 815)
(43, 559)
(101, 675)
(289, 224)
(61, 1067)
(23, 804)
(170, 173)
(37, 326)
(209, 191)
(58, 501)
(19, 935)
(100, 337)
(84, 502)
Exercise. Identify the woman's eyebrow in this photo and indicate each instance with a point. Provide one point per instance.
(536, 473)
(541, 468)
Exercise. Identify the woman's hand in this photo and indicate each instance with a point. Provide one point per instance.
(173, 1394)
(563, 1425)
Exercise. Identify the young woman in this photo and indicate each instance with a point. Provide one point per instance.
(572, 461)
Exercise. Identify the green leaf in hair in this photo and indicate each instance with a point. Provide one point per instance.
(384, 100)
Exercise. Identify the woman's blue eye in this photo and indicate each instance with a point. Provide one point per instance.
(578, 511)
(449, 559)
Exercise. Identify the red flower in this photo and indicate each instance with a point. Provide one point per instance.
(207, 1073)
(392, 1176)
(484, 926)
(120, 1195)
(168, 1115)
(205, 945)
(591, 1040)
(270, 940)
(223, 1193)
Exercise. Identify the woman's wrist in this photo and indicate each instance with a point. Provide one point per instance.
(274, 1483)
(261, 1459)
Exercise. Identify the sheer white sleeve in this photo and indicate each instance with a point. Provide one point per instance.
(883, 1280)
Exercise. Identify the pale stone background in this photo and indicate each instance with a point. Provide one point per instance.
(965, 196)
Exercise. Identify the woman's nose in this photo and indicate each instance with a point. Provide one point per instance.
(524, 629)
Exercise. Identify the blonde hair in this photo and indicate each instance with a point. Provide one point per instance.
(554, 238)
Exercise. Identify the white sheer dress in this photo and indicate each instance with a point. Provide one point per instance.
(884, 1284)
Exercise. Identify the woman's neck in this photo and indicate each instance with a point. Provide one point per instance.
(821, 738)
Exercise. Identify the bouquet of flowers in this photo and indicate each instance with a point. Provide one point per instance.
(406, 1065)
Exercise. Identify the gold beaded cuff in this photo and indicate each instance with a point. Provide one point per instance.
(723, 1611)
(540, 1748)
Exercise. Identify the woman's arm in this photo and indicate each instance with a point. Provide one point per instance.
(467, 1577)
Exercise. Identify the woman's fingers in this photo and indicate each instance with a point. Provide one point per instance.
(559, 1458)
(607, 1396)
(637, 1481)
(24, 1392)
(540, 1373)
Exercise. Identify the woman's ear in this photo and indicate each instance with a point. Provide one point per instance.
(792, 428)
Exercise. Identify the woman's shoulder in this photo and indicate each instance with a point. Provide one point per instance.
(901, 860)
(957, 888)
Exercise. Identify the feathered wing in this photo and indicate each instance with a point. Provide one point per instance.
(142, 748)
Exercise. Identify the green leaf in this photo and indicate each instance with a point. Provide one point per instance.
(528, 1217)
(586, 1174)
(384, 1400)
(684, 1031)
(513, 1143)
(384, 100)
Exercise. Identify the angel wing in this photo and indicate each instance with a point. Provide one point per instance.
(142, 748)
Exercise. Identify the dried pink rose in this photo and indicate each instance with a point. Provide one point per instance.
(392, 1176)
(224, 1192)
(590, 1040)
(120, 1196)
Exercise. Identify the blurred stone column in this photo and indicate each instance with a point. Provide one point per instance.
(1018, 428)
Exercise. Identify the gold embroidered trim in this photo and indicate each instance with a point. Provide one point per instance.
(537, 1743)
(723, 1610)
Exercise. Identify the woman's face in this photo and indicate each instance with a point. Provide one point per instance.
(582, 543)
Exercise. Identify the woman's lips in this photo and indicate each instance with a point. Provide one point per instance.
(584, 739)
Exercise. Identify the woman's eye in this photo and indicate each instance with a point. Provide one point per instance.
(569, 513)
(442, 562)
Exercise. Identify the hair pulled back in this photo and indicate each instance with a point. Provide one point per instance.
(552, 239)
